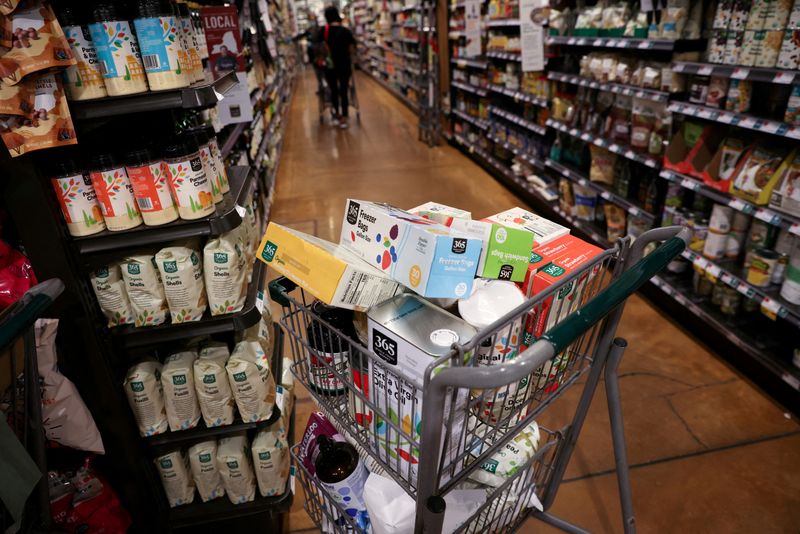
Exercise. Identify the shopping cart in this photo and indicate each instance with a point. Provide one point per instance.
(324, 98)
(471, 410)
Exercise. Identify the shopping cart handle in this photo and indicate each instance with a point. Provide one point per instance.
(565, 332)
(280, 288)
(21, 315)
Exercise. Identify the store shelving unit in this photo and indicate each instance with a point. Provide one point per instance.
(620, 89)
(742, 120)
(755, 74)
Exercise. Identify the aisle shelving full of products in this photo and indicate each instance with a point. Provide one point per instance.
(635, 124)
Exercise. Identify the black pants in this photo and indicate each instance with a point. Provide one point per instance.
(339, 83)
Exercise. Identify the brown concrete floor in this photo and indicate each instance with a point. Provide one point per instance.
(709, 452)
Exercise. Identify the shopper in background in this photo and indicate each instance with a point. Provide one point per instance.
(336, 44)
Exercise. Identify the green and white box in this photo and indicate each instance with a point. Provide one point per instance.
(440, 213)
(506, 250)
(543, 229)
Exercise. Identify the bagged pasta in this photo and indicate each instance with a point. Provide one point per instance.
(145, 291)
(180, 397)
(143, 388)
(225, 273)
(270, 450)
(213, 389)
(182, 275)
(203, 461)
(109, 288)
(233, 462)
(287, 382)
(174, 471)
(251, 381)
(509, 459)
(262, 333)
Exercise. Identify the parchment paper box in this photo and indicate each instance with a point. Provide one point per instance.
(420, 254)
(544, 230)
(329, 272)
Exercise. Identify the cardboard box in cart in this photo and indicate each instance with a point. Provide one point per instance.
(422, 255)
(506, 250)
(544, 230)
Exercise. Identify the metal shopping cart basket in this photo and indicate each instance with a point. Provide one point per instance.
(470, 411)
(324, 97)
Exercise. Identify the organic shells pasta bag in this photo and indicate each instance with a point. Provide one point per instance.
(182, 275)
(213, 389)
(109, 288)
(143, 388)
(251, 381)
(180, 397)
(233, 461)
(225, 274)
(203, 460)
(146, 294)
(174, 471)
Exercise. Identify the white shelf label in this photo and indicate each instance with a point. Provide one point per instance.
(744, 289)
(700, 263)
(767, 216)
(770, 308)
(260, 301)
(738, 204)
(633, 211)
(740, 74)
(784, 77)
(705, 70)
(747, 122)
(795, 229)
(605, 195)
(713, 271)
(791, 380)
(771, 126)
(630, 154)
(678, 67)
(690, 184)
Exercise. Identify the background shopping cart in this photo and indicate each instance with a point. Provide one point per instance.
(324, 98)
(470, 411)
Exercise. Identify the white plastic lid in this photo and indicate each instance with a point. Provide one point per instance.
(490, 300)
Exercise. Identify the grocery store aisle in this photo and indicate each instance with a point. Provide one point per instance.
(709, 452)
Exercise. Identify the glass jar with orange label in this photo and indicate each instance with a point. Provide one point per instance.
(114, 193)
(78, 200)
(149, 177)
(191, 188)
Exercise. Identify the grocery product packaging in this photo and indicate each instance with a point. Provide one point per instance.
(408, 333)
(317, 425)
(182, 275)
(505, 250)
(77, 199)
(233, 462)
(330, 272)
(758, 172)
(251, 381)
(109, 288)
(65, 417)
(786, 194)
(420, 254)
(508, 460)
(543, 229)
(144, 288)
(178, 483)
(225, 271)
(180, 397)
(440, 213)
(143, 388)
(203, 461)
(261, 332)
(211, 383)
(271, 456)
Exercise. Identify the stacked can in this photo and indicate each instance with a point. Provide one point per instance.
(790, 290)
(719, 228)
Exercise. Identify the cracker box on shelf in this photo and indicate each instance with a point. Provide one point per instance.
(440, 213)
(544, 230)
(330, 272)
(422, 255)
(506, 250)
(408, 333)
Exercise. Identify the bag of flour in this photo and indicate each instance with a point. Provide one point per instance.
(203, 461)
(182, 275)
(233, 462)
(211, 382)
(225, 270)
(145, 292)
(109, 288)
(174, 471)
(270, 450)
(180, 397)
(251, 381)
(143, 388)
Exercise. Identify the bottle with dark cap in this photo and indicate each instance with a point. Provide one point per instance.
(121, 65)
(114, 192)
(151, 188)
(190, 186)
(159, 40)
(341, 472)
(83, 80)
(200, 135)
(190, 41)
(224, 185)
(77, 199)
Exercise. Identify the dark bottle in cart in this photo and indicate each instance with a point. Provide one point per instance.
(343, 474)
(328, 348)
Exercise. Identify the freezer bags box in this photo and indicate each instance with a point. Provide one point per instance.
(329, 272)
(440, 213)
(506, 250)
(544, 230)
(420, 254)
(407, 333)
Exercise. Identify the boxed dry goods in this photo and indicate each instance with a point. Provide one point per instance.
(178, 484)
(143, 388)
(144, 288)
(408, 333)
(233, 462)
(211, 382)
(440, 213)
(271, 456)
(424, 256)
(225, 270)
(251, 381)
(757, 173)
(182, 275)
(786, 194)
(203, 461)
(109, 288)
(544, 230)
(180, 397)
(330, 272)
(505, 250)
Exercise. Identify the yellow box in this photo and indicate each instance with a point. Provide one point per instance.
(755, 182)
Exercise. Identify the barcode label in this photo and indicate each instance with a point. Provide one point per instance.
(102, 67)
(145, 204)
(151, 62)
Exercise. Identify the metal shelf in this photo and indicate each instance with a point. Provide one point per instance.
(740, 120)
(516, 119)
(508, 56)
(480, 91)
(737, 72)
(228, 216)
(476, 63)
(195, 96)
(607, 195)
(784, 220)
(625, 42)
(622, 150)
(482, 124)
(131, 337)
(627, 90)
(519, 96)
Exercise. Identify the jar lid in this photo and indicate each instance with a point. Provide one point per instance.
(181, 146)
(198, 134)
(183, 9)
(66, 167)
(103, 11)
(100, 162)
(153, 8)
(141, 156)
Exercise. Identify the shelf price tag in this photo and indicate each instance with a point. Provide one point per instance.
(740, 73)
(795, 229)
(738, 204)
(713, 272)
(705, 70)
(630, 154)
(605, 195)
(677, 67)
(690, 184)
(260, 301)
(292, 476)
(700, 264)
(633, 210)
(784, 77)
(767, 216)
(747, 122)
(744, 289)
(770, 308)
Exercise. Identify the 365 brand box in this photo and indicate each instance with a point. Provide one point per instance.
(330, 272)
(420, 254)
(506, 250)
(544, 230)
(440, 213)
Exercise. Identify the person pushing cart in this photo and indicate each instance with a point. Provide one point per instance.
(335, 44)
